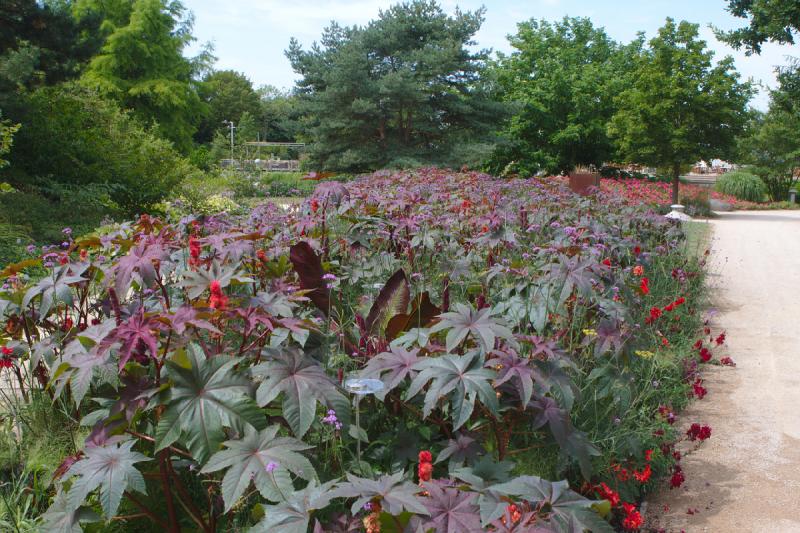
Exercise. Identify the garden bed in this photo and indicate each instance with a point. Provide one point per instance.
(521, 353)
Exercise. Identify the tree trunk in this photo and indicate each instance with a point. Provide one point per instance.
(676, 173)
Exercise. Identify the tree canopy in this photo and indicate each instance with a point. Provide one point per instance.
(404, 89)
(562, 79)
(769, 21)
(142, 66)
(679, 106)
(227, 95)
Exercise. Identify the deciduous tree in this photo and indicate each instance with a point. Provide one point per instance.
(679, 106)
(562, 79)
(769, 21)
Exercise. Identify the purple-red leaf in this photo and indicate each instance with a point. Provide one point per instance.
(392, 300)
(422, 313)
(309, 269)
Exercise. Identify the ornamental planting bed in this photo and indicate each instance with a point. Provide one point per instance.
(428, 350)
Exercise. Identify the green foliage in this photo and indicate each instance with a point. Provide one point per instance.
(227, 95)
(678, 107)
(280, 114)
(404, 86)
(103, 145)
(772, 142)
(41, 44)
(769, 20)
(141, 65)
(562, 78)
(742, 185)
(7, 131)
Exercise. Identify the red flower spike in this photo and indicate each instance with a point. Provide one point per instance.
(644, 286)
(425, 456)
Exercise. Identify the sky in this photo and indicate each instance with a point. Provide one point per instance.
(250, 36)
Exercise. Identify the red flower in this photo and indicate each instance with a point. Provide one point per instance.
(648, 455)
(664, 341)
(669, 307)
(6, 363)
(637, 250)
(677, 479)
(721, 339)
(194, 251)
(633, 521)
(607, 493)
(424, 471)
(638, 270)
(680, 301)
(261, 255)
(607, 262)
(425, 456)
(218, 299)
(696, 431)
(7, 351)
(698, 344)
(699, 390)
(644, 475)
(644, 286)
(314, 205)
(655, 313)
(63, 260)
(727, 361)
(705, 355)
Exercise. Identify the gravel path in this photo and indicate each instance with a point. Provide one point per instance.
(746, 478)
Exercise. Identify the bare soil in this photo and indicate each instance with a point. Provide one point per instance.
(746, 477)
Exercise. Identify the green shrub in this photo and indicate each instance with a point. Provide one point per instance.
(71, 136)
(742, 185)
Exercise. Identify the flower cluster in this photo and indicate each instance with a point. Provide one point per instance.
(698, 432)
(331, 420)
(5, 360)
(425, 468)
(218, 299)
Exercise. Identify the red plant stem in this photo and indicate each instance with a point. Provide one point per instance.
(112, 294)
(151, 439)
(164, 292)
(143, 508)
(186, 500)
(174, 527)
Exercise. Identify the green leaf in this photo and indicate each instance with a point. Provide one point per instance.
(61, 518)
(53, 289)
(567, 508)
(394, 493)
(303, 383)
(111, 469)
(203, 399)
(465, 320)
(461, 378)
(247, 459)
(293, 515)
